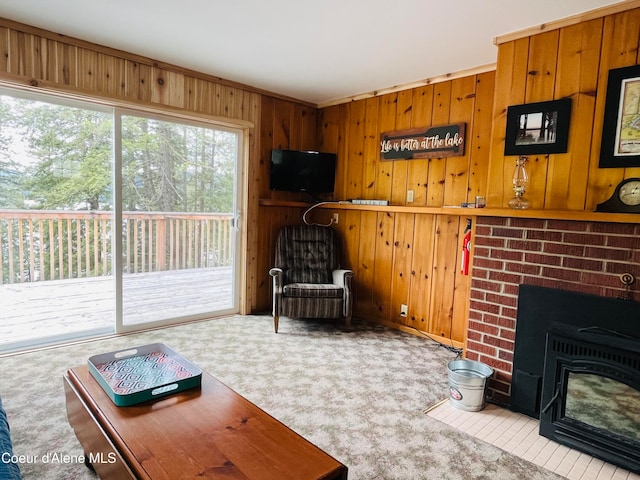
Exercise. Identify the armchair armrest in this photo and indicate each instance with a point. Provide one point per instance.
(278, 276)
(343, 278)
(276, 273)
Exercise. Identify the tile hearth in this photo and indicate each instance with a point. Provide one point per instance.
(518, 434)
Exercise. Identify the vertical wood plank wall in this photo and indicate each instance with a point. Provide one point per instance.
(399, 257)
(286, 125)
(571, 61)
(38, 60)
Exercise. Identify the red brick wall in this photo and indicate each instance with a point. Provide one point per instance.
(586, 257)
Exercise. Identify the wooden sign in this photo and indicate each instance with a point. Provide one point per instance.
(431, 142)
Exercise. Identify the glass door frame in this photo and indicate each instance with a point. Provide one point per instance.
(239, 219)
(242, 127)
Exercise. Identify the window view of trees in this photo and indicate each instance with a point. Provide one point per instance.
(57, 158)
(172, 167)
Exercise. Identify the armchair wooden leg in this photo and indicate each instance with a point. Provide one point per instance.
(348, 322)
(276, 318)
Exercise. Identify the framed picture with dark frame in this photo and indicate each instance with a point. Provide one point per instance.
(538, 128)
(620, 145)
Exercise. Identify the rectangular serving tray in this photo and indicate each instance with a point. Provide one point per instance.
(143, 373)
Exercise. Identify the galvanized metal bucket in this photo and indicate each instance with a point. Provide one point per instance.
(468, 384)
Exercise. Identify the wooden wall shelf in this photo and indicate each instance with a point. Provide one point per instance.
(574, 215)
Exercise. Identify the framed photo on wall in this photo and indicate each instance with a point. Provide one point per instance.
(620, 145)
(538, 128)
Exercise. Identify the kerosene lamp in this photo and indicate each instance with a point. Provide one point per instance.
(520, 181)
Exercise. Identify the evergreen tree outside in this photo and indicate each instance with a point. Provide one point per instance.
(59, 157)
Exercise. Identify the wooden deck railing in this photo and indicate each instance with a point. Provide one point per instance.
(41, 245)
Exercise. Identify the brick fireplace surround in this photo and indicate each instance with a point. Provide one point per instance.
(581, 256)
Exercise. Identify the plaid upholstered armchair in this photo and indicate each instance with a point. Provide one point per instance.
(307, 280)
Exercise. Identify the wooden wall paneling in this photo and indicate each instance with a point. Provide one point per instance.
(342, 182)
(177, 93)
(349, 229)
(250, 210)
(41, 61)
(400, 167)
(541, 68)
(19, 53)
(195, 93)
(65, 63)
(4, 49)
(383, 264)
(112, 74)
(269, 219)
(577, 78)
(463, 94)
(365, 272)
(242, 105)
(327, 141)
(444, 273)
(420, 296)
(462, 286)
(232, 102)
(386, 123)
(328, 130)
(156, 85)
(261, 298)
(266, 142)
(137, 88)
(437, 166)
(543, 53)
(48, 59)
(297, 135)
(87, 69)
(355, 149)
(371, 148)
(480, 134)
(402, 265)
(216, 100)
(220, 108)
(306, 135)
(418, 169)
(281, 128)
(511, 76)
(619, 49)
(32, 57)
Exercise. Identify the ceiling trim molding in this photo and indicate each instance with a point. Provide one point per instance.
(407, 86)
(568, 21)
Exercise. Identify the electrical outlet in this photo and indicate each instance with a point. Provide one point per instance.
(335, 217)
(409, 196)
(403, 310)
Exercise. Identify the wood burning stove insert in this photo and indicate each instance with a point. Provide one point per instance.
(591, 393)
(590, 396)
(538, 309)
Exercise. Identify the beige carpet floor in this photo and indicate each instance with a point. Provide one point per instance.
(359, 395)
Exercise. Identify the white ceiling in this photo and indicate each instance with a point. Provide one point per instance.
(312, 50)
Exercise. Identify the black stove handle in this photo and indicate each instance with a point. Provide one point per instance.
(553, 400)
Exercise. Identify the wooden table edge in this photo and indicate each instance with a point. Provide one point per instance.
(129, 461)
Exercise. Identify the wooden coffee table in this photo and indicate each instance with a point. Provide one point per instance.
(211, 432)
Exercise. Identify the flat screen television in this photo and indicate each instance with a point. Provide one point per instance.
(302, 171)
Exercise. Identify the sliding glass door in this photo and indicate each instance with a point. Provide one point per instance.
(112, 220)
(178, 200)
(55, 220)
